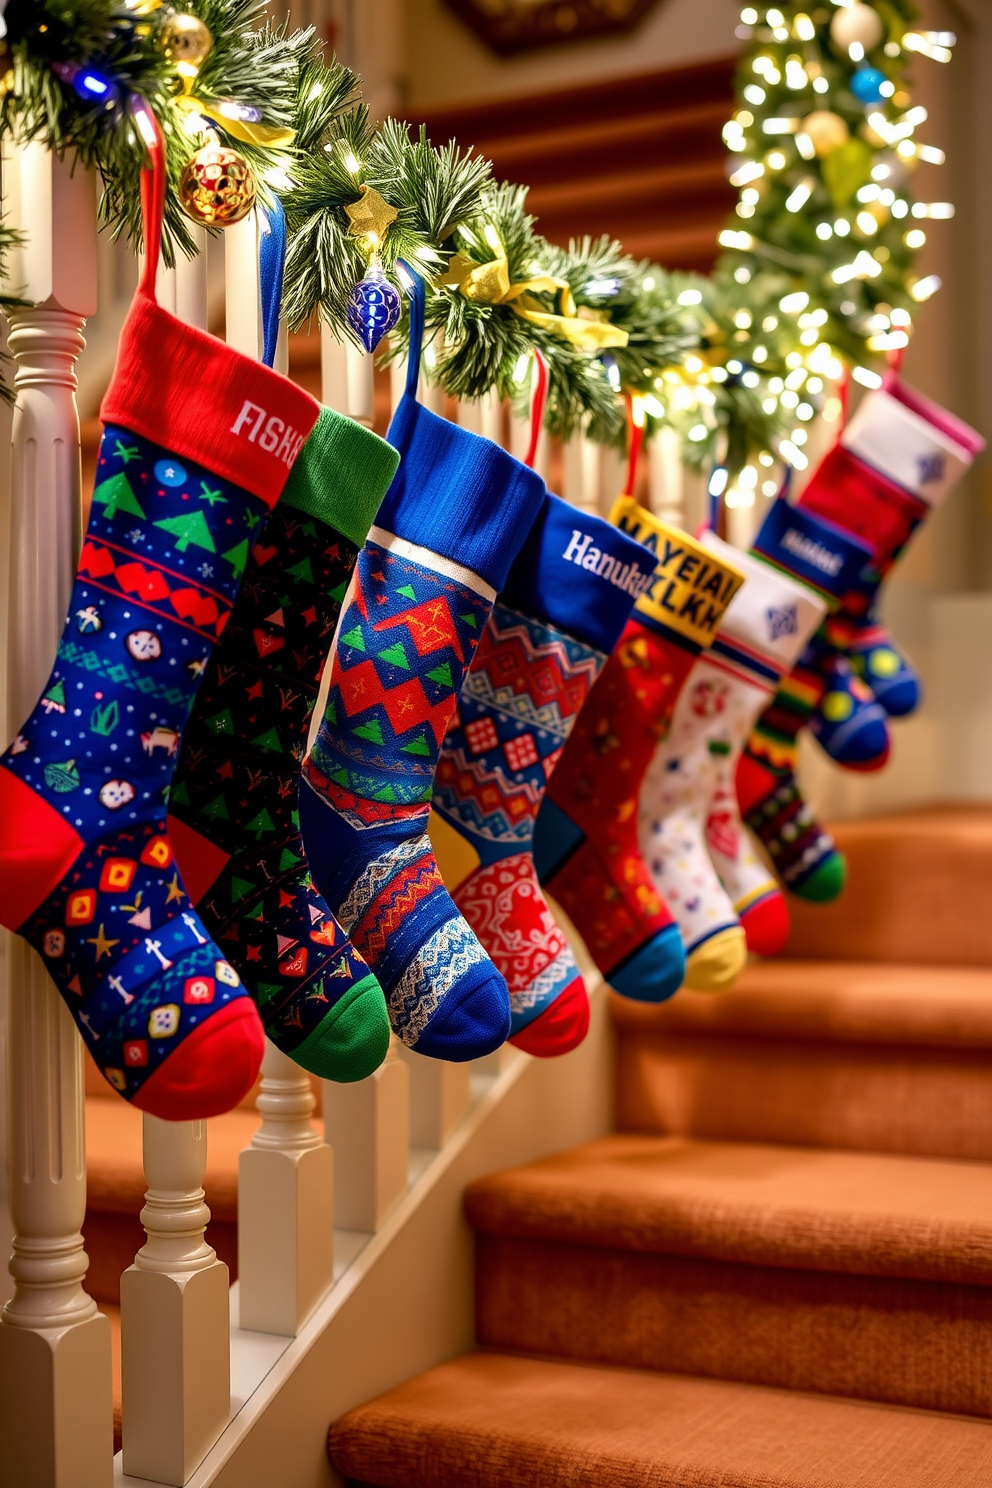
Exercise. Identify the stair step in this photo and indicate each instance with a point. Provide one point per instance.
(493, 1421)
(917, 891)
(858, 1055)
(746, 1262)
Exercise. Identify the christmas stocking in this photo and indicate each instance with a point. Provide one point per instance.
(586, 847)
(566, 600)
(446, 534)
(233, 820)
(824, 559)
(197, 445)
(897, 460)
(689, 827)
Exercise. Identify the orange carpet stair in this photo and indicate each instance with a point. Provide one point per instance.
(778, 1272)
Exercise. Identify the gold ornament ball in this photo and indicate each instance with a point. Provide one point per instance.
(217, 187)
(186, 41)
(856, 23)
(826, 131)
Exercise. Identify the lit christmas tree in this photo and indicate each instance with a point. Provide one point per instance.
(826, 147)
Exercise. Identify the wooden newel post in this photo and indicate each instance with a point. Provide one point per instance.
(56, 1411)
(175, 1315)
(285, 1205)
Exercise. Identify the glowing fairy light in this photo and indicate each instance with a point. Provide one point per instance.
(690, 297)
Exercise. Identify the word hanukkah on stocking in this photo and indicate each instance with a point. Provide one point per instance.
(560, 614)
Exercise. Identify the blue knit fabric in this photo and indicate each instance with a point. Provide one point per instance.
(579, 573)
(163, 558)
(407, 636)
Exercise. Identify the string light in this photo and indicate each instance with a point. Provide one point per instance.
(866, 377)
(922, 289)
(689, 297)
(800, 196)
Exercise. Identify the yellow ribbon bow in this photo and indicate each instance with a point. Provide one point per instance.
(270, 135)
(489, 284)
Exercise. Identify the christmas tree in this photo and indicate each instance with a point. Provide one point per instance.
(825, 147)
(115, 495)
(190, 530)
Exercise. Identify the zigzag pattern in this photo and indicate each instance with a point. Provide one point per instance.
(411, 885)
(377, 874)
(403, 644)
(151, 586)
(521, 697)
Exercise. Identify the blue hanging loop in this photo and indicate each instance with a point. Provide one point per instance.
(271, 268)
(414, 286)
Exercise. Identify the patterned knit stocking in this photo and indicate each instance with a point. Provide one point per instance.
(567, 597)
(586, 846)
(197, 445)
(233, 807)
(446, 534)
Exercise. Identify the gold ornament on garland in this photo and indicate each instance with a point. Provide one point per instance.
(187, 42)
(826, 131)
(217, 187)
(370, 217)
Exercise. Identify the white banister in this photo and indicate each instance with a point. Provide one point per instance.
(56, 1413)
(666, 477)
(580, 471)
(440, 1095)
(367, 1125)
(175, 1333)
(347, 377)
(175, 1326)
(244, 312)
(285, 1205)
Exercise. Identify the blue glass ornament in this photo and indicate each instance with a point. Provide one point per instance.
(374, 308)
(866, 85)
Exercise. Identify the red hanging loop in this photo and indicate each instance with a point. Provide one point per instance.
(152, 192)
(537, 401)
(635, 438)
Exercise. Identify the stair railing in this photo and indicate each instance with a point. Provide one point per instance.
(194, 1349)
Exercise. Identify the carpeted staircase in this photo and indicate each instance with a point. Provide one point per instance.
(778, 1273)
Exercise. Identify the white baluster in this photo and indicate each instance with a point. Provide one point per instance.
(361, 386)
(666, 477)
(333, 371)
(439, 1097)
(56, 1413)
(491, 416)
(368, 1127)
(175, 1323)
(581, 473)
(469, 415)
(244, 311)
(285, 1205)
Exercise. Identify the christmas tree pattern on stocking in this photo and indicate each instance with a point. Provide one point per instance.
(586, 846)
(197, 444)
(567, 597)
(451, 524)
(234, 821)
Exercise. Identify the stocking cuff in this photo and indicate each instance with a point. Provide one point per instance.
(190, 393)
(812, 550)
(579, 574)
(772, 617)
(341, 475)
(922, 456)
(691, 588)
(458, 495)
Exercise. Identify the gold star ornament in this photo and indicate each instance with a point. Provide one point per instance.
(370, 217)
